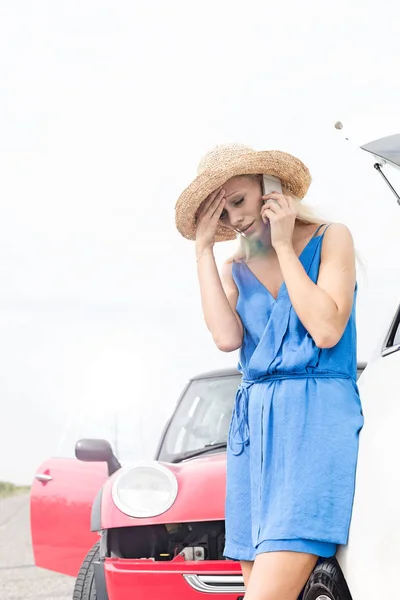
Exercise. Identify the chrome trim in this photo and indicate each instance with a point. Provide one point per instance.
(216, 584)
(390, 350)
(43, 477)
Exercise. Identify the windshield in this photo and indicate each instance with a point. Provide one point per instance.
(202, 416)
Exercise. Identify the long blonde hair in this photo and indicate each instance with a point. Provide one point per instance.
(305, 215)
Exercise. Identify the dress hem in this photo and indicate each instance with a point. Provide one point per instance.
(316, 547)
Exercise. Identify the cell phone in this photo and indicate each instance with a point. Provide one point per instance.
(271, 184)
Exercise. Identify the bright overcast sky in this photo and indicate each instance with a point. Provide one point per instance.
(105, 110)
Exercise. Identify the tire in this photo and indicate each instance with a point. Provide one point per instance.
(85, 588)
(326, 583)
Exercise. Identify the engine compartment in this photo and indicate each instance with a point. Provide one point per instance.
(192, 541)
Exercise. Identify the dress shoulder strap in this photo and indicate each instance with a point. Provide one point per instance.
(320, 227)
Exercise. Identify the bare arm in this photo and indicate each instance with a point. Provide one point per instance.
(218, 294)
(218, 300)
(323, 308)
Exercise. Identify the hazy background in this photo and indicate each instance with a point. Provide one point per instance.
(105, 110)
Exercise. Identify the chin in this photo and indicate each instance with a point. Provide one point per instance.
(257, 231)
(261, 234)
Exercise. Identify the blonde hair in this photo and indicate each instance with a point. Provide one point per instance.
(305, 215)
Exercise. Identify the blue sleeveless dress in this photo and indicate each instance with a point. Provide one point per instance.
(293, 438)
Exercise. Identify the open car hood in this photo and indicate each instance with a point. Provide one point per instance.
(386, 148)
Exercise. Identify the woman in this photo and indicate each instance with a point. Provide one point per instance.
(287, 300)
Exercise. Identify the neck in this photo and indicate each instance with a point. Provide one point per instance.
(261, 246)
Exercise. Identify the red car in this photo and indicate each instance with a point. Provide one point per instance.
(148, 530)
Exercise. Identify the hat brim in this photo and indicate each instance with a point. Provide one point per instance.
(293, 174)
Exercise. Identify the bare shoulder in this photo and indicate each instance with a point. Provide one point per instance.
(338, 239)
(338, 231)
(338, 256)
(337, 273)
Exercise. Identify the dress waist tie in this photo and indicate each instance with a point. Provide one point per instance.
(239, 432)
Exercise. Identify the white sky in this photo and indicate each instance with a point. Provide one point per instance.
(105, 110)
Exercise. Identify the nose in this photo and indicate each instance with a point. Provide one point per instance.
(236, 219)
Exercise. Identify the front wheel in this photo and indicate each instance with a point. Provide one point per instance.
(85, 588)
(327, 583)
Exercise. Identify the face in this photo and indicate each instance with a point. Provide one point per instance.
(243, 205)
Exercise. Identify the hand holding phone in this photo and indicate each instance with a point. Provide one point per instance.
(271, 184)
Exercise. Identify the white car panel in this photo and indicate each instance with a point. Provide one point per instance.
(370, 561)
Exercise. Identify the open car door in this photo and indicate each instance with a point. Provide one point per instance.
(62, 495)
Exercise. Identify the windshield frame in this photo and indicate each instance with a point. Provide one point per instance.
(162, 453)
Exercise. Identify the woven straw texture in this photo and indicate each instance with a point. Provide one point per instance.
(231, 160)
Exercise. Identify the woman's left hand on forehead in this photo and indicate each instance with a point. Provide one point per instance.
(280, 211)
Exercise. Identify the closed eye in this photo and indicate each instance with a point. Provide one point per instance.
(238, 202)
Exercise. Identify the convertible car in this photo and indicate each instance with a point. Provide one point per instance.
(156, 529)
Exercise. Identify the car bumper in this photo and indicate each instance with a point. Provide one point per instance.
(176, 580)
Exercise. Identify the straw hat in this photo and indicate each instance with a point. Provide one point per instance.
(230, 160)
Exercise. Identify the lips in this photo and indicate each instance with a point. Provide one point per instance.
(244, 229)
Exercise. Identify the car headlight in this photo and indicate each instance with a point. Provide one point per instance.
(144, 490)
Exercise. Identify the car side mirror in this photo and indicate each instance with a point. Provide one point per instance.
(97, 450)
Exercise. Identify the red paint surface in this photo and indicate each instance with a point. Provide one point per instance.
(60, 513)
(201, 495)
(141, 580)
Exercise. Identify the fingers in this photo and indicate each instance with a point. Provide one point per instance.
(276, 206)
(218, 211)
(213, 198)
(279, 203)
(268, 210)
(264, 217)
(268, 215)
(272, 205)
(278, 198)
(210, 214)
